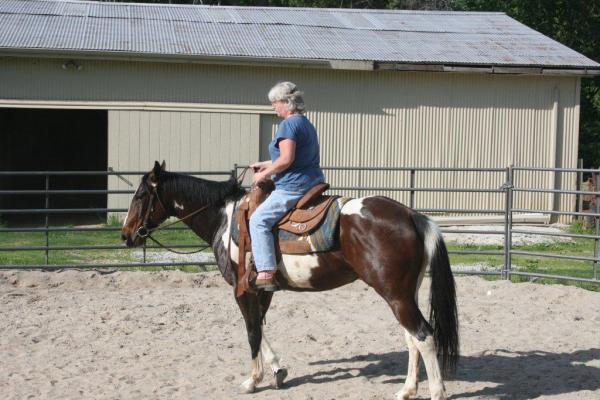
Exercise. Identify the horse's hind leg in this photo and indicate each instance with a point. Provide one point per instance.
(411, 383)
(419, 335)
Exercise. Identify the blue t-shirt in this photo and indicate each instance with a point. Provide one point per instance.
(305, 171)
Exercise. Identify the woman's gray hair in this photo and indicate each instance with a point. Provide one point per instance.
(288, 92)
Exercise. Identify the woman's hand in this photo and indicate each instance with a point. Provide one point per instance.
(260, 176)
(260, 166)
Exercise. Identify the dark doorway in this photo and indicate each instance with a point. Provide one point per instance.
(53, 140)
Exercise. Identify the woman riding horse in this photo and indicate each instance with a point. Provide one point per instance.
(294, 167)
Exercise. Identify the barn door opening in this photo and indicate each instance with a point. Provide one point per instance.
(53, 140)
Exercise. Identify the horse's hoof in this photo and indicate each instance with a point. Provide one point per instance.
(280, 376)
(406, 393)
(248, 386)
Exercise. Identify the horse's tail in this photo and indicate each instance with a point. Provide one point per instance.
(443, 315)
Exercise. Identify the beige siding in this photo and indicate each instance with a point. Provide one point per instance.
(375, 119)
(188, 141)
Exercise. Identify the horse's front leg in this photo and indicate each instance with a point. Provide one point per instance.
(254, 308)
(270, 358)
(251, 311)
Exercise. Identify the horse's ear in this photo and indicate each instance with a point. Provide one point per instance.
(163, 166)
(153, 176)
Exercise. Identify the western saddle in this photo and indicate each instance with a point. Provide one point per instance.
(306, 215)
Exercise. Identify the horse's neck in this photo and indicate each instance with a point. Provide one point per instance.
(204, 223)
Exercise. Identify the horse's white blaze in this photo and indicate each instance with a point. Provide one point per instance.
(297, 269)
(126, 217)
(353, 207)
(177, 205)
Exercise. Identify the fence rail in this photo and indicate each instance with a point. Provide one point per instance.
(504, 186)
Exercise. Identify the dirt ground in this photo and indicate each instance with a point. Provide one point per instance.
(172, 335)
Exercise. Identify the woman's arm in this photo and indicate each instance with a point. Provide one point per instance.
(287, 154)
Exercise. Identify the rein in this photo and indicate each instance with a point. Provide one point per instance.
(143, 232)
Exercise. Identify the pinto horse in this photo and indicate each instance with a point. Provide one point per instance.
(385, 244)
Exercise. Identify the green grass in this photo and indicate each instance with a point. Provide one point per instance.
(545, 265)
(91, 256)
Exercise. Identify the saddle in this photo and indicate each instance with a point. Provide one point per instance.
(308, 213)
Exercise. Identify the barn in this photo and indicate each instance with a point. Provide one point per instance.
(99, 86)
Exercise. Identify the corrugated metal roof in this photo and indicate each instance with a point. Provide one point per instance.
(421, 37)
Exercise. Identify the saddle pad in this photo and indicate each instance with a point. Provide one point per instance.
(323, 238)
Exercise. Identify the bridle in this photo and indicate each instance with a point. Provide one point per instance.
(144, 232)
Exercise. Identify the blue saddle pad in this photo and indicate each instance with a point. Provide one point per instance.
(323, 238)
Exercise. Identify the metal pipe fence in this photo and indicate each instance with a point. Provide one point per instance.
(59, 253)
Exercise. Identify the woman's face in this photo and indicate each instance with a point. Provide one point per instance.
(280, 108)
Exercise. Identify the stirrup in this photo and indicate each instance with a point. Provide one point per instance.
(268, 285)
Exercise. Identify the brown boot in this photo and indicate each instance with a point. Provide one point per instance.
(266, 281)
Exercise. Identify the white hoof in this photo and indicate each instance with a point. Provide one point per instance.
(248, 386)
(439, 395)
(407, 393)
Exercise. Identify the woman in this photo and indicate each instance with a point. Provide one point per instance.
(294, 167)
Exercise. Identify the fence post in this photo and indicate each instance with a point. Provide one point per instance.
(579, 197)
(508, 187)
(412, 186)
(597, 226)
(46, 218)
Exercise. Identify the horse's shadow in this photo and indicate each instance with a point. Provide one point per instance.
(506, 374)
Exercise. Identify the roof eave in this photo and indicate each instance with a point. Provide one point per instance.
(362, 65)
(189, 58)
(490, 69)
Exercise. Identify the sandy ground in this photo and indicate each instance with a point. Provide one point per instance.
(172, 335)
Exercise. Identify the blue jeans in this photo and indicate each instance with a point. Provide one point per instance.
(262, 222)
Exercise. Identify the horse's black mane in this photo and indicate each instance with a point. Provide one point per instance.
(201, 191)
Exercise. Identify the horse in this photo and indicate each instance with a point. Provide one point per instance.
(382, 242)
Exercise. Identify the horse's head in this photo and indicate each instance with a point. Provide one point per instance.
(146, 211)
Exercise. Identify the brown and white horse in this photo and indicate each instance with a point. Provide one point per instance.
(385, 244)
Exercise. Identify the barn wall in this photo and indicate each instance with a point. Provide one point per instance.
(187, 141)
(364, 118)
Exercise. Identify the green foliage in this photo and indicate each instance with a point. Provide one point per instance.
(114, 220)
(576, 24)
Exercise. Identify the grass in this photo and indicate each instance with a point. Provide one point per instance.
(545, 265)
(535, 264)
(90, 256)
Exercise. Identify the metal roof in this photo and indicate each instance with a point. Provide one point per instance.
(380, 36)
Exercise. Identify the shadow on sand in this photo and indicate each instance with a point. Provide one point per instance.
(514, 375)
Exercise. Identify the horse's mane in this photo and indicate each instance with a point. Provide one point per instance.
(201, 191)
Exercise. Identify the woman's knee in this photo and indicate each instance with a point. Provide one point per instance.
(258, 223)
